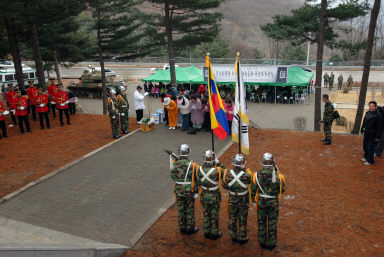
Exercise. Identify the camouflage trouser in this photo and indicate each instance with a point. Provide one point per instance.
(267, 223)
(124, 120)
(114, 124)
(186, 211)
(328, 130)
(340, 86)
(211, 209)
(238, 215)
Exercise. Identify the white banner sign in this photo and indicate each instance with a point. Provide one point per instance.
(261, 74)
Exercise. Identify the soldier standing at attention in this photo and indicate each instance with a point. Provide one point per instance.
(267, 186)
(32, 94)
(237, 181)
(11, 97)
(350, 82)
(327, 120)
(21, 104)
(114, 114)
(183, 173)
(42, 108)
(326, 79)
(209, 178)
(331, 81)
(61, 99)
(123, 106)
(52, 90)
(340, 80)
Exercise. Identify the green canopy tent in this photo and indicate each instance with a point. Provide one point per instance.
(184, 75)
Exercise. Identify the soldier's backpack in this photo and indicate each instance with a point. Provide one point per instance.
(336, 115)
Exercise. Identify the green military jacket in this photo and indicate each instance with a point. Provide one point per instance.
(350, 80)
(332, 78)
(112, 106)
(233, 186)
(264, 177)
(340, 79)
(183, 175)
(328, 112)
(122, 102)
(208, 179)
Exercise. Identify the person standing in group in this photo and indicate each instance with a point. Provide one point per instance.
(267, 186)
(326, 79)
(123, 106)
(237, 182)
(61, 99)
(350, 82)
(32, 94)
(21, 104)
(183, 173)
(2, 121)
(11, 97)
(42, 108)
(197, 113)
(380, 145)
(138, 102)
(52, 90)
(331, 81)
(340, 80)
(371, 129)
(207, 117)
(209, 176)
(185, 112)
(72, 102)
(113, 111)
(229, 113)
(172, 112)
(327, 119)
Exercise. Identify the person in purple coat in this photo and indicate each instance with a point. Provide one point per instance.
(197, 112)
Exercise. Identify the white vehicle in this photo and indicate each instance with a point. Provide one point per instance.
(91, 68)
(8, 78)
(166, 66)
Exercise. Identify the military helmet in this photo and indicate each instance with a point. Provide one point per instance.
(239, 160)
(122, 88)
(267, 160)
(209, 156)
(113, 92)
(184, 150)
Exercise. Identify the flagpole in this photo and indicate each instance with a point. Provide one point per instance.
(238, 92)
(210, 92)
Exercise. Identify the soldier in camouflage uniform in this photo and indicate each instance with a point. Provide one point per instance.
(327, 120)
(123, 107)
(350, 82)
(183, 173)
(209, 177)
(237, 181)
(340, 80)
(331, 81)
(113, 114)
(267, 186)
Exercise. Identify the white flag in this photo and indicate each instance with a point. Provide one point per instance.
(240, 112)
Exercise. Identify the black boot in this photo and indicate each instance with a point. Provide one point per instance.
(207, 235)
(270, 247)
(234, 240)
(328, 142)
(182, 230)
(263, 246)
(242, 241)
(214, 237)
(323, 140)
(192, 231)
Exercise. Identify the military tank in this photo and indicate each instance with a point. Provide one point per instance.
(90, 85)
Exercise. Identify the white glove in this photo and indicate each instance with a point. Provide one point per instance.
(167, 107)
(22, 108)
(113, 117)
(254, 204)
(41, 105)
(62, 104)
(146, 93)
(122, 114)
(67, 102)
(196, 196)
(53, 102)
(217, 161)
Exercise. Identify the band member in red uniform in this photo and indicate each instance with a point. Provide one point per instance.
(11, 96)
(61, 99)
(21, 104)
(2, 120)
(42, 108)
(52, 90)
(32, 94)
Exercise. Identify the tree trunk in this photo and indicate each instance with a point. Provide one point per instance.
(101, 60)
(171, 53)
(367, 66)
(319, 66)
(57, 70)
(14, 44)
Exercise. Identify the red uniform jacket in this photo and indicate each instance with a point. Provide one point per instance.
(10, 96)
(32, 94)
(19, 103)
(42, 99)
(2, 109)
(61, 97)
(52, 90)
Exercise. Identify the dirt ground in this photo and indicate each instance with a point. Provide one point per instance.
(352, 97)
(25, 158)
(332, 206)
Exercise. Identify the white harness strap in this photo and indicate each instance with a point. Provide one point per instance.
(186, 174)
(263, 195)
(236, 178)
(206, 176)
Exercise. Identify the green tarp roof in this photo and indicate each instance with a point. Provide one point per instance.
(297, 76)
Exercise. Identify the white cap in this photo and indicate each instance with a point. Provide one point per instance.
(167, 100)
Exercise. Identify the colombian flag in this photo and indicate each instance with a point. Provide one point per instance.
(219, 123)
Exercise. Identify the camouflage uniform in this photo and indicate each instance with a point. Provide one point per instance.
(123, 107)
(267, 207)
(331, 81)
(328, 119)
(340, 80)
(350, 82)
(238, 202)
(210, 197)
(113, 116)
(326, 79)
(185, 191)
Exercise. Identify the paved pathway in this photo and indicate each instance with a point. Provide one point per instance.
(114, 195)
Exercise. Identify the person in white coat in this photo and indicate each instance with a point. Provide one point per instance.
(138, 102)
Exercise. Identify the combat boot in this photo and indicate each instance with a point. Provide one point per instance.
(192, 231)
(207, 235)
(328, 142)
(323, 140)
(242, 241)
(214, 237)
